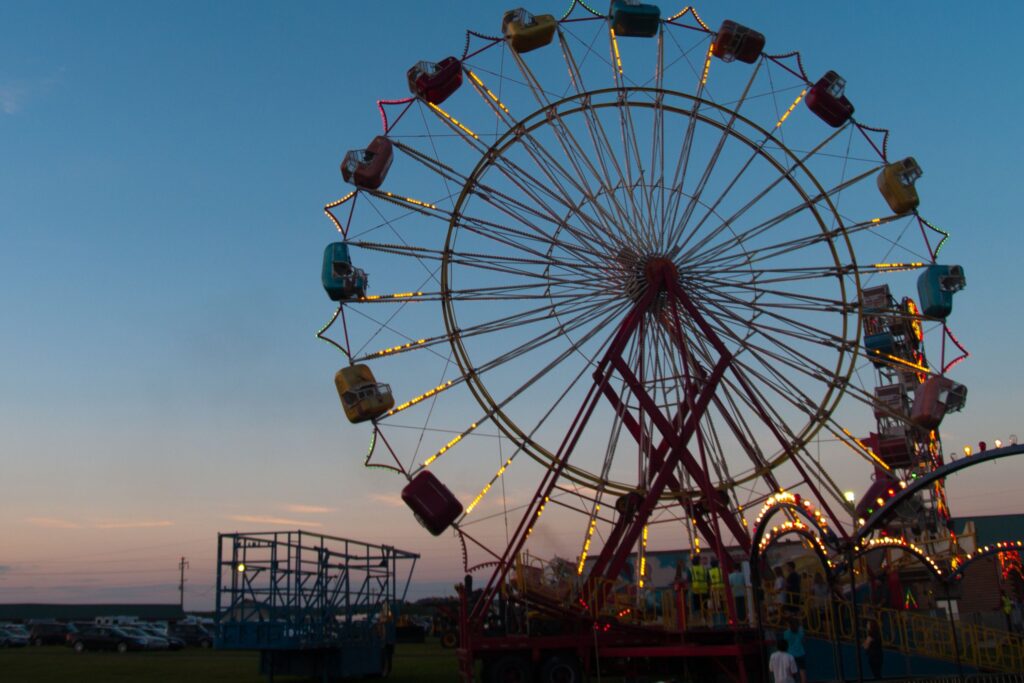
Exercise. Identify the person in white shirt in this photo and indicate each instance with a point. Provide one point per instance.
(782, 664)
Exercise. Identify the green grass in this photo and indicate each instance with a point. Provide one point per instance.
(424, 663)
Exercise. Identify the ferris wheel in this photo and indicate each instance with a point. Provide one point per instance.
(625, 266)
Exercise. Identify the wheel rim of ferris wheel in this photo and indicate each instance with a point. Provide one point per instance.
(835, 379)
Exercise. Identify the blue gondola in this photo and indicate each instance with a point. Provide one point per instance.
(631, 18)
(340, 279)
(936, 287)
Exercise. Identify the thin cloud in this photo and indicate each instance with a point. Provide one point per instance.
(12, 98)
(53, 523)
(273, 521)
(14, 95)
(308, 509)
(135, 525)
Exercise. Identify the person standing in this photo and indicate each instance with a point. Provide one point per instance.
(873, 647)
(1007, 606)
(738, 586)
(779, 593)
(681, 584)
(717, 582)
(794, 637)
(698, 587)
(819, 593)
(792, 588)
(782, 665)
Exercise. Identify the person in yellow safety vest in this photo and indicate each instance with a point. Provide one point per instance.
(717, 588)
(698, 585)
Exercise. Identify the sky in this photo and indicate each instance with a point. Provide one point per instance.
(162, 172)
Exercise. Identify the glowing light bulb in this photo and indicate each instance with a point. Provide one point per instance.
(968, 450)
(998, 443)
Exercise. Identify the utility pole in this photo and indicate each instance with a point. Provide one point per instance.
(182, 566)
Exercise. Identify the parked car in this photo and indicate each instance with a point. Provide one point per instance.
(106, 638)
(47, 633)
(173, 643)
(19, 629)
(192, 634)
(153, 641)
(10, 637)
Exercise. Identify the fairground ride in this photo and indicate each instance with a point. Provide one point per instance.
(628, 265)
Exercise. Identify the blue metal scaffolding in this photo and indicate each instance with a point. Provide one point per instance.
(312, 604)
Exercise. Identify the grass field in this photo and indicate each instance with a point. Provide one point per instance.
(427, 663)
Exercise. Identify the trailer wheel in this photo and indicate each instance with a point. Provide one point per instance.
(509, 669)
(561, 669)
(449, 640)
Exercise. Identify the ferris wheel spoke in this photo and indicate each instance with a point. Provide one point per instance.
(504, 202)
(679, 224)
(604, 151)
(766, 225)
(786, 175)
(630, 147)
(752, 254)
(784, 353)
(573, 151)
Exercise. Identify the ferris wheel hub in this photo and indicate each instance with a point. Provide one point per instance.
(643, 271)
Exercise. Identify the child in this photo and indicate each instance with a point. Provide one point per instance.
(782, 664)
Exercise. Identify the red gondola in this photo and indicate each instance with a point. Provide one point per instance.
(368, 167)
(435, 82)
(433, 504)
(826, 99)
(738, 42)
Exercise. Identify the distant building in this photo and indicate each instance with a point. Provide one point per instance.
(41, 611)
(984, 578)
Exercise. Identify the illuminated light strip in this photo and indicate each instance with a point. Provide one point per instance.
(788, 527)
(387, 297)
(397, 349)
(334, 205)
(942, 242)
(897, 266)
(916, 366)
(707, 64)
(496, 477)
(586, 543)
(411, 402)
(865, 449)
(411, 200)
(783, 497)
(900, 543)
(791, 108)
(453, 121)
(700, 21)
(643, 557)
(964, 352)
(615, 49)
(444, 449)
(679, 14)
(540, 511)
(383, 114)
(488, 91)
(876, 220)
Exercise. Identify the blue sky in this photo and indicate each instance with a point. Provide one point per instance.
(162, 171)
